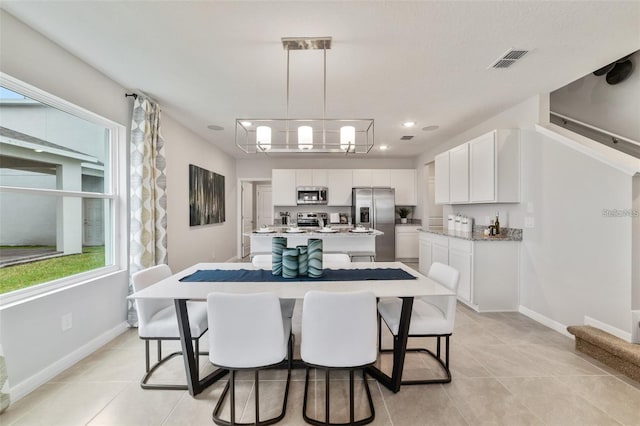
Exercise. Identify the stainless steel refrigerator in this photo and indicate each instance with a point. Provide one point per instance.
(376, 208)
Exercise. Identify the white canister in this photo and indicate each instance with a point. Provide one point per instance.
(467, 224)
(458, 225)
(451, 223)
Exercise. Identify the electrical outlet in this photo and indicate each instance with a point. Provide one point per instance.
(67, 321)
(529, 222)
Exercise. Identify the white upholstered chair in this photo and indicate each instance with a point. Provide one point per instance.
(338, 332)
(329, 260)
(157, 321)
(431, 316)
(248, 332)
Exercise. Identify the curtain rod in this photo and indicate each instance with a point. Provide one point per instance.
(134, 95)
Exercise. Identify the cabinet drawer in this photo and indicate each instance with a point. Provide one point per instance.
(461, 245)
(440, 240)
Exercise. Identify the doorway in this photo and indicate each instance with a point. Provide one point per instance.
(256, 209)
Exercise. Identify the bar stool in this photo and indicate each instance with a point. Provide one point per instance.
(431, 316)
(247, 332)
(157, 321)
(339, 333)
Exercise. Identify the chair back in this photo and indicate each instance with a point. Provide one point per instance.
(147, 308)
(339, 329)
(245, 330)
(448, 277)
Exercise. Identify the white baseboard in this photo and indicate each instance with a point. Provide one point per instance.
(546, 321)
(32, 383)
(608, 328)
(635, 326)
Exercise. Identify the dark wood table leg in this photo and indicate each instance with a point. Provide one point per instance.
(399, 350)
(194, 384)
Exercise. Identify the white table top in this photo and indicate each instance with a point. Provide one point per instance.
(172, 288)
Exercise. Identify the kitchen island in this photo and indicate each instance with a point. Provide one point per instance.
(340, 240)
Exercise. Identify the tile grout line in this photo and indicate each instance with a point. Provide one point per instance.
(174, 408)
(107, 404)
(384, 403)
(517, 399)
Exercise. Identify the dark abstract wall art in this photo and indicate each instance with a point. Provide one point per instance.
(206, 197)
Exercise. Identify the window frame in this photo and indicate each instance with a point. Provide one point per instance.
(115, 190)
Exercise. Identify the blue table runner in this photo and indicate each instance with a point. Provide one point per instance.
(265, 275)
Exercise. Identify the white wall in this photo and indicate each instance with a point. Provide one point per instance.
(593, 101)
(189, 245)
(260, 167)
(30, 333)
(575, 262)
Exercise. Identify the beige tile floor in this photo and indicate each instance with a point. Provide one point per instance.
(507, 369)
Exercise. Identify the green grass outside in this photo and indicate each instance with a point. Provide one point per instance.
(25, 275)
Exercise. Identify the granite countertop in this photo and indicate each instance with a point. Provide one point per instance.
(506, 234)
(340, 231)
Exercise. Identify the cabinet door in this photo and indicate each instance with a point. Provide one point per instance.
(482, 168)
(339, 184)
(404, 181)
(362, 178)
(459, 174)
(304, 177)
(319, 178)
(406, 244)
(440, 254)
(381, 178)
(462, 262)
(283, 182)
(442, 178)
(424, 257)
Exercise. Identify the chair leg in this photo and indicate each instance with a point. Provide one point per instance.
(230, 386)
(146, 355)
(149, 369)
(196, 353)
(159, 350)
(437, 357)
(352, 421)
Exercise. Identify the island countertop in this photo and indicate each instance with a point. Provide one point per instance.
(315, 232)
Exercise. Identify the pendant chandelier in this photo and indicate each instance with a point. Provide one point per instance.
(305, 135)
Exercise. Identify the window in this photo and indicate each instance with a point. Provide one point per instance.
(59, 210)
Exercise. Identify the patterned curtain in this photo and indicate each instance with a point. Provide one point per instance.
(148, 240)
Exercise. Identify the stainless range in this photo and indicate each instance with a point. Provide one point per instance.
(310, 220)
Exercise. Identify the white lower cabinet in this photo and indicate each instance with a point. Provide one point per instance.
(489, 270)
(407, 242)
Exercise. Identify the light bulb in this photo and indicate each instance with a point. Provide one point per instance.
(305, 137)
(263, 137)
(347, 137)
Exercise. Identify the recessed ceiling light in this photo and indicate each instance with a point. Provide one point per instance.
(409, 123)
(430, 128)
(383, 147)
(246, 123)
(214, 127)
(37, 150)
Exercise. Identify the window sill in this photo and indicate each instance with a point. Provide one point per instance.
(38, 291)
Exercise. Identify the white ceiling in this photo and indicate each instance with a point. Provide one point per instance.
(211, 62)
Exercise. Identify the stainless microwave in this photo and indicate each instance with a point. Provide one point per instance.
(311, 195)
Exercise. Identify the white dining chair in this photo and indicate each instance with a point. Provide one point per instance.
(157, 321)
(431, 316)
(329, 260)
(338, 333)
(247, 332)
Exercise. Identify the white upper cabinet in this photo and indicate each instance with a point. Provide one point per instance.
(339, 187)
(483, 170)
(459, 174)
(304, 177)
(381, 178)
(311, 177)
(362, 178)
(283, 183)
(482, 163)
(442, 178)
(404, 181)
(319, 177)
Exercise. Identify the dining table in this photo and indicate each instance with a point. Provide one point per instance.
(293, 288)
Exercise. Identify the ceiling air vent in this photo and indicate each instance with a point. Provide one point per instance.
(508, 58)
(406, 138)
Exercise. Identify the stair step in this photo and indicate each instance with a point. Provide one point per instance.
(608, 349)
